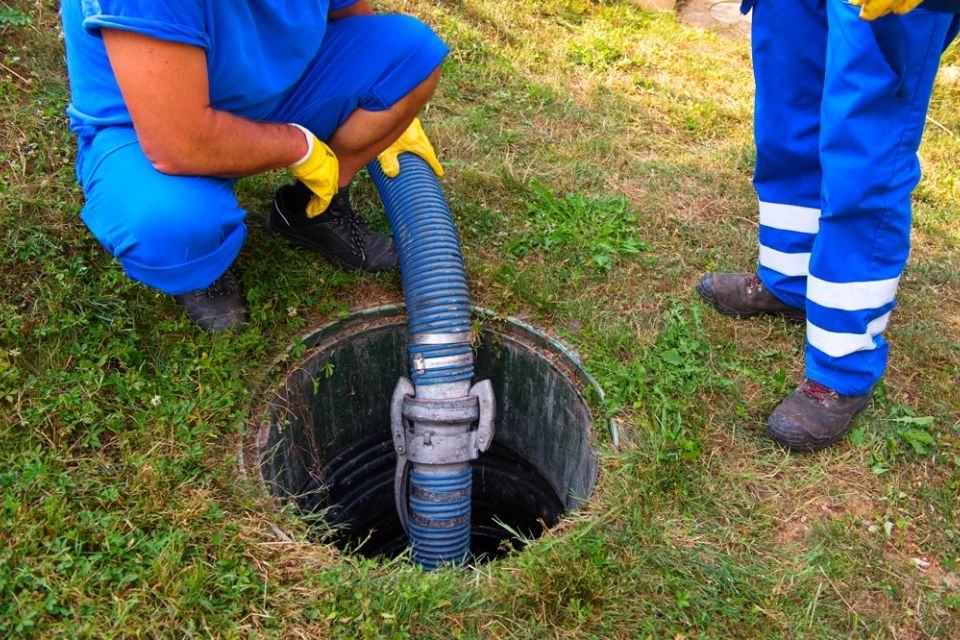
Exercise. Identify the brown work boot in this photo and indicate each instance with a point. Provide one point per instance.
(742, 295)
(814, 416)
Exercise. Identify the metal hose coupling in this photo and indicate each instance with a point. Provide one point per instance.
(435, 438)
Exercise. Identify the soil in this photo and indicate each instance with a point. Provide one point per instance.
(722, 16)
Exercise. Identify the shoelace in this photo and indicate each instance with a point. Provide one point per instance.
(223, 286)
(816, 390)
(345, 214)
(753, 282)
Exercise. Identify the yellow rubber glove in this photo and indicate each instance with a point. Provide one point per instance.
(319, 170)
(415, 141)
(873, 9)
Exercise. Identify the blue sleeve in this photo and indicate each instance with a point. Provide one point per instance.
(173, 20)
(337, 5)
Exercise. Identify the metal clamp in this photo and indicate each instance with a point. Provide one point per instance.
(421, 364)
(439, 448)
(461, 337)
(433, 446)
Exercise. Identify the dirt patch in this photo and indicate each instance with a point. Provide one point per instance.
(722, 16)
(938, 576)
(922, 566)
(798, 525)
(793, 530)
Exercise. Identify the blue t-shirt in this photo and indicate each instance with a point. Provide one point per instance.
(256, 49)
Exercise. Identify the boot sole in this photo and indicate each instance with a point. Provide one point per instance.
(224, 322)
(796, 317)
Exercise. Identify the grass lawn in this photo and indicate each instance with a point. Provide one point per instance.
(598, 161)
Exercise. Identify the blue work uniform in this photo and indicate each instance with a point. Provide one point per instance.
(267, 60)
(840, 110)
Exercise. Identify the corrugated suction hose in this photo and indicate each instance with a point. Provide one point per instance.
(433, 417)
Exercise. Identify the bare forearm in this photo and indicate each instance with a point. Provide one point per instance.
(358, 8)
(166, 89)
(226, 145)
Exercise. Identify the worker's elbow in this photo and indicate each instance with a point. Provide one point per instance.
(171, 157)
(165, 161)
(168, 168)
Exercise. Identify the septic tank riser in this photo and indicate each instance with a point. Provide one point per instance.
(322, 440)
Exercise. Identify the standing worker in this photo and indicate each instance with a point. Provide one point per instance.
(842, 90)
(173, 101)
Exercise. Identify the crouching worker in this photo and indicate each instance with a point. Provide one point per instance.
(173, 101)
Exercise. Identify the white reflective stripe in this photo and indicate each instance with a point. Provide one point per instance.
(789, 217)
(789, 264)
(852, 296)
(837, 345)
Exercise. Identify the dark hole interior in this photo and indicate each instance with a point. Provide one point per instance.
(358, 483)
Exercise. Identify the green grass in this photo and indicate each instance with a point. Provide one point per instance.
(598, 161)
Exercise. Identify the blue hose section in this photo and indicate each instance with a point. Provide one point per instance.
(443, 501)
(437, 302)
(431, 263)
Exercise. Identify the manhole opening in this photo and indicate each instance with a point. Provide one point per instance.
(323, 441)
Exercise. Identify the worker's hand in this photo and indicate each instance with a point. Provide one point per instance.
(415, 141)
(320, 171)
(873, 9)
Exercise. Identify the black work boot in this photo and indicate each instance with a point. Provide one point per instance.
(219, 306)
(814, 416)
(742, 295)
(339, 233)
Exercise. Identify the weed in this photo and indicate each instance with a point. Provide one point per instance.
(577, 232)
(13, 17)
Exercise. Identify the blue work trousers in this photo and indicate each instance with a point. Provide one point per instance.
(840, 110)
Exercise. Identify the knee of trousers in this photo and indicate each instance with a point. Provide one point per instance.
(164, 233)
(174, 233)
